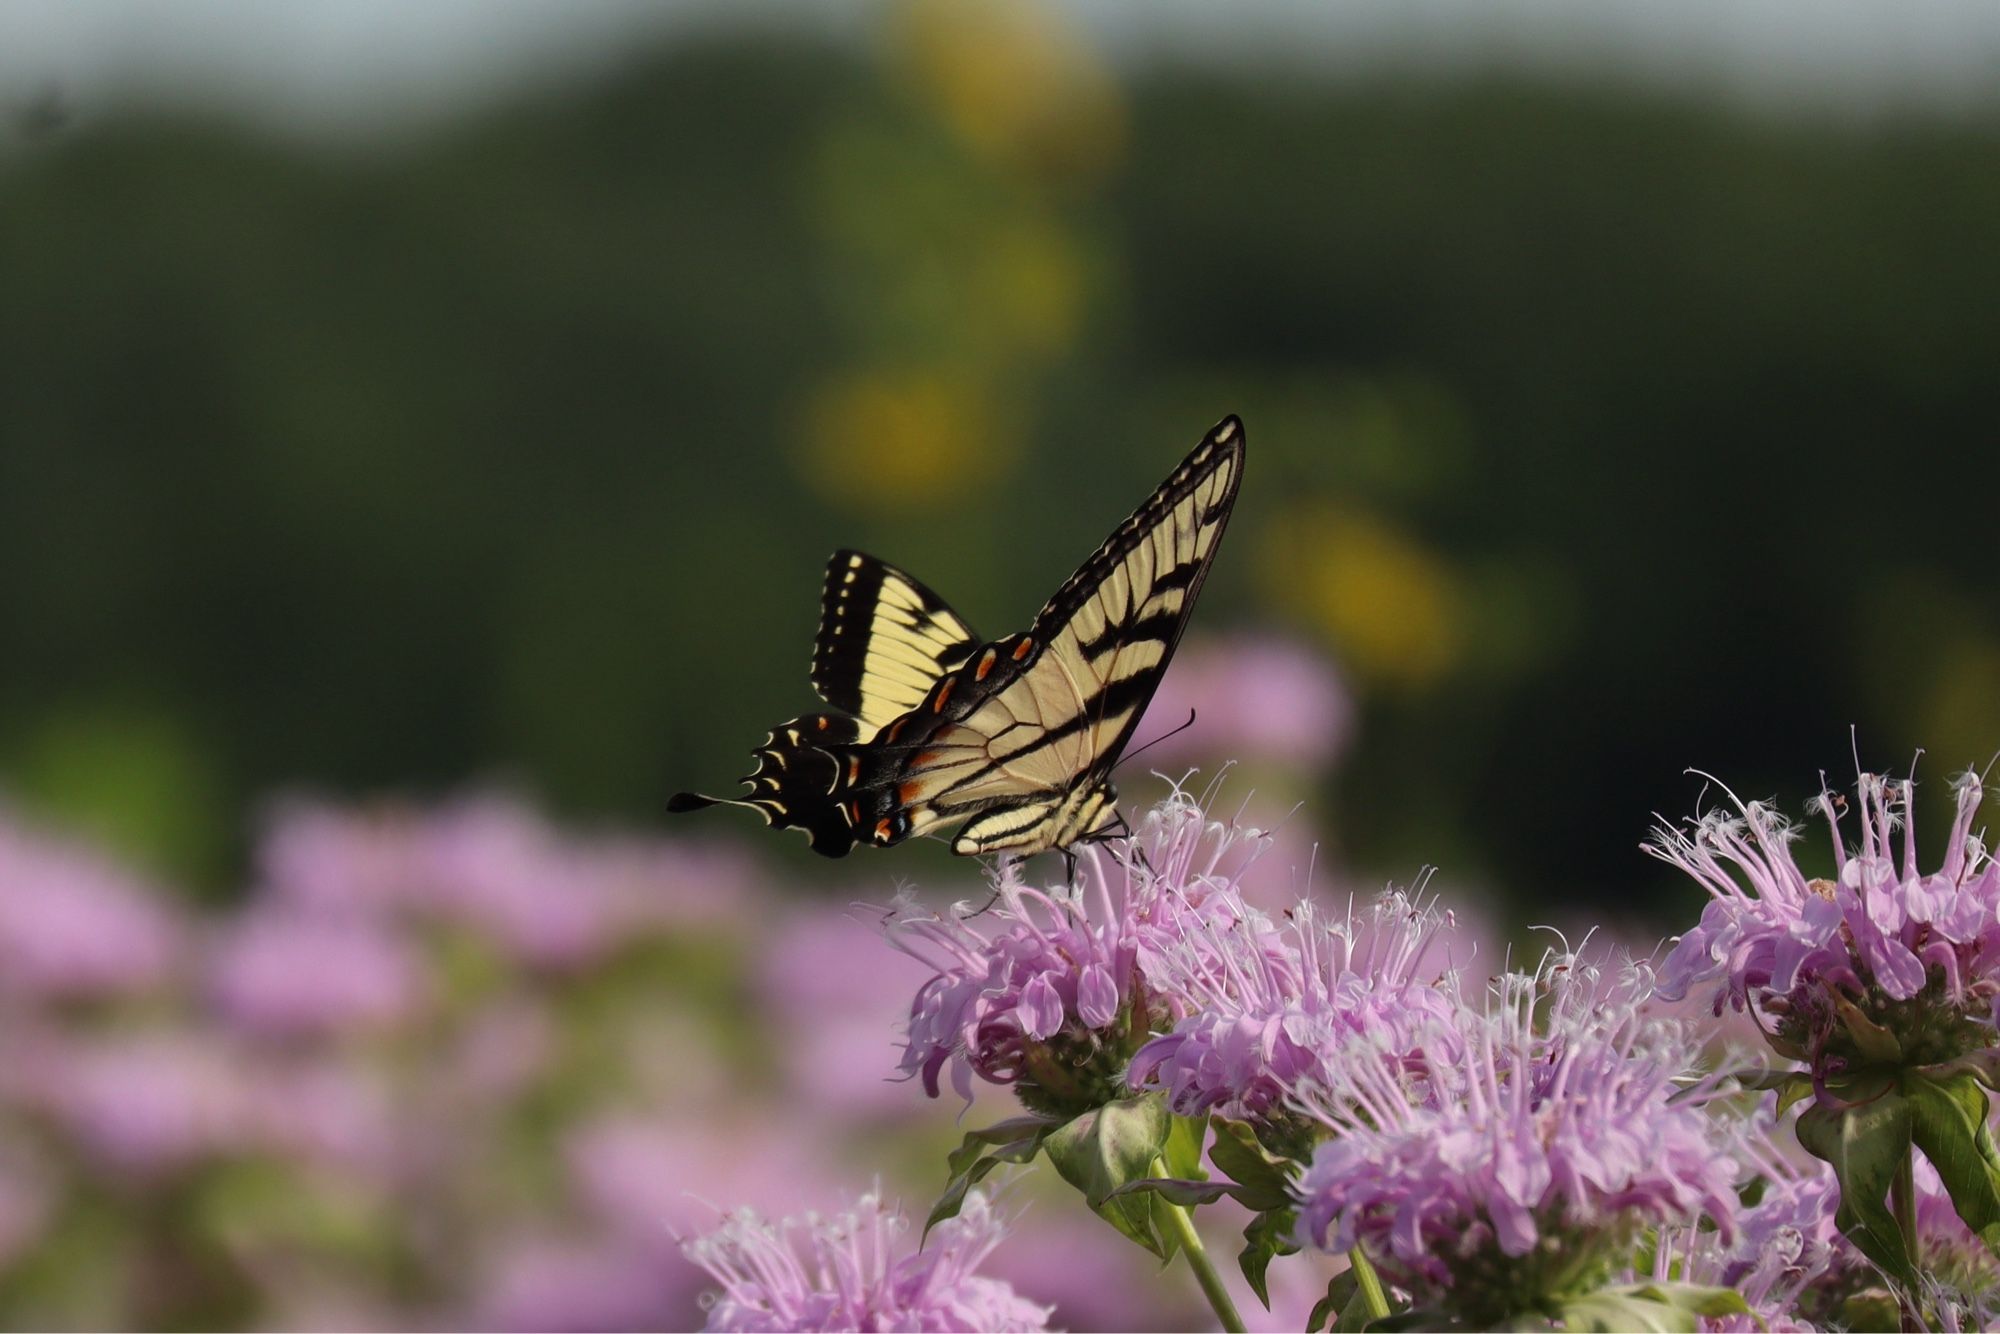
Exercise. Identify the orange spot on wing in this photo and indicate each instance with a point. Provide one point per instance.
(895, 727)
(924, 759)
(943, 694)
(985, 665)
(1023, 649)
(882, 831)
(853, 767)
(909, 792)
(853, 812)
(822, 724)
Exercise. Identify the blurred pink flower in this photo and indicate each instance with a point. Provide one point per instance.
(549, 1283)
(73, 923)
(495, 865)
(25, 1200)
(837, 1001)
(652, 1181)
(326, 857)
(331, 1112)
(658, 1177)
(500, 1050)
(150, 1102)
(1063, 1256)
(292, 974)
(1257, 699)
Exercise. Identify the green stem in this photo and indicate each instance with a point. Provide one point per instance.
(1197, 1258)
(1903, 1200)
(1369, 1284)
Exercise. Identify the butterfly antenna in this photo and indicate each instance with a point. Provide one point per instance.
(1158, 739)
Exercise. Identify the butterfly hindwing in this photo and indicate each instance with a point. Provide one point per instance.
(798, 768)
(1021, 738)
(884, 640)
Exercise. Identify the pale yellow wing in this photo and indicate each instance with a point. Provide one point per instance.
(1028, 721)
(884, 640)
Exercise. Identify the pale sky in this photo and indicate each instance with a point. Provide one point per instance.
(355, 64)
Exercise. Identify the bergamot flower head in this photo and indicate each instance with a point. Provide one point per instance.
(1053, 989)
(1269, 1004)
(1828, 966)
(1516, 1173)
(850, 1271)
(1785, 1247)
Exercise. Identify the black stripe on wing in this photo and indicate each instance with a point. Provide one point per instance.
(792, 785)
(1222, 448)
(884, 639)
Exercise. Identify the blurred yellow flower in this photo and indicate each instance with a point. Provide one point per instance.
(1392, 608)
(933, 258)
(1959, 712)
(1013, 81)
(894, 440)
(1031, 284)
(1944, 694)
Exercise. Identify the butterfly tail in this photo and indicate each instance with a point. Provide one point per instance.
(793, 784)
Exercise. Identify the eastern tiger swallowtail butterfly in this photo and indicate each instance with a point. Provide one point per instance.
(1016, 737)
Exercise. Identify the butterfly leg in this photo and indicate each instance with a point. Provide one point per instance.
(1124, 830)
(1000, 868)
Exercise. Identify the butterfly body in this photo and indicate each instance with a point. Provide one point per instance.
(1015, 737)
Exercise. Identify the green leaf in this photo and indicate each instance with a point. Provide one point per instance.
(1793, 1088)
(1865, 1143)
(1013, 1128)
(1872, 1040)
(1339, 1292)
(1112, 1146)
(1239, 1155)
(1269, 1235)
(1948, 1122)
(1186, 1138)
(1873, 1309)
(1710, 1303)
(1010, 1131)
(971, 1162)
(1653, 1306)
(1616, 1310)
(1187, 1194)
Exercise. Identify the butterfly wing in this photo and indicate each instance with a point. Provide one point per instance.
(790, 787)
(884, 640)
(1020, 738)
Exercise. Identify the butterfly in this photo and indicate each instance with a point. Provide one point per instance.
(1013, 739)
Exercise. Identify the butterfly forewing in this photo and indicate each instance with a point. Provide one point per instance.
(1017, 734)
(1113, 627)
(884, 640)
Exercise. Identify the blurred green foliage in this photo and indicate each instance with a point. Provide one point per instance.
(1599, 434)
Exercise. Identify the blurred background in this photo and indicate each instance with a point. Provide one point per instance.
(422, 431)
